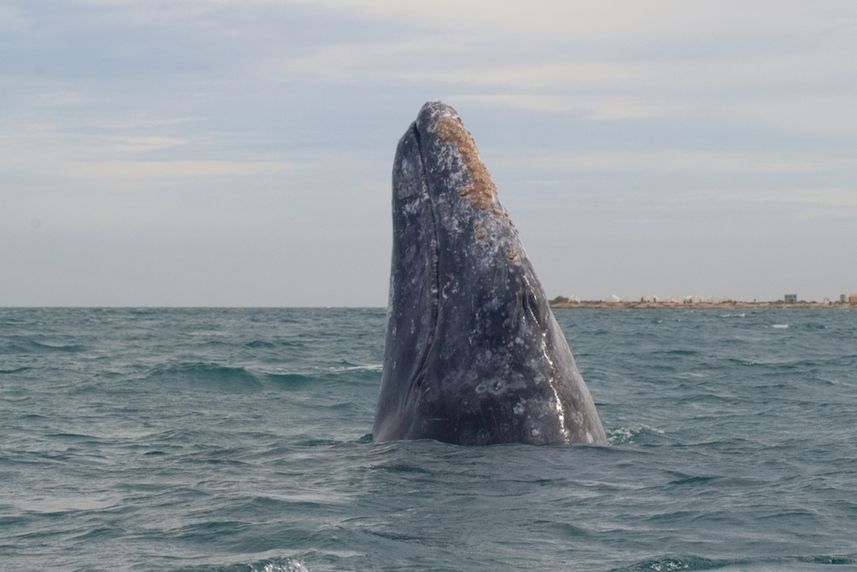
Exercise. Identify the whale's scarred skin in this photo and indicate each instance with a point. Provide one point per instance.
(473, 353)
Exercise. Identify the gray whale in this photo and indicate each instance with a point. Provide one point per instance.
(473, 353)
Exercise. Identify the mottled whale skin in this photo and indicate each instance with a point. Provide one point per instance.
(473, 353)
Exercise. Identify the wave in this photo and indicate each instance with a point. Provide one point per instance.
(290, 379)
(209, 375)
(338, 374)
(633, 434)
(71, 436)
(202, 375)
(268, 565)
(676, 352)
(369, 367)
(671, 563)
(277, 343)
(14, 370)
(28, 346)
(834, 559)
(692, 480)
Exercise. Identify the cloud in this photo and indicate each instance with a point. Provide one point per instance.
(602, 22)
(137, 171)
(123, 172)
(773, 65)
(143, 144)
(29, 148)
(682, 160)
(530, 102)
(816, 113)
(833, 199)
(810, 205)
(595, 108)
(12, 20)
(59, 98)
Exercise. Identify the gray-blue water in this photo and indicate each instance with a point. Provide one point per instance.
(238, 439)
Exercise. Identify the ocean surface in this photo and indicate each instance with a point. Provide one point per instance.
(239, 439)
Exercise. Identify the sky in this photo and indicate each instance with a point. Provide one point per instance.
(239, 152)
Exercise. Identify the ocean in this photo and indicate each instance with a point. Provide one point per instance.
(240, 440)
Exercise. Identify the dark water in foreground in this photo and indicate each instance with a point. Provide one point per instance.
(198, 439)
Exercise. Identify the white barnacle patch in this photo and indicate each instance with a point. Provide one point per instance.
(450, 287)
(414, 204)
(519, 407)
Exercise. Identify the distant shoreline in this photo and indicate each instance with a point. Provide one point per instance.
(601, 305)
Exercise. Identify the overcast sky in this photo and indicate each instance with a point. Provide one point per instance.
(238, 152)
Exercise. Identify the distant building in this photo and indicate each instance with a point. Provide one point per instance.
(843, 298)
(852, 299)
(790, 298)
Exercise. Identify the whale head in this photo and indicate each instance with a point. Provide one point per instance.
(473, 353)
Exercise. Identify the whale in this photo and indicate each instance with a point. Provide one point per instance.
(473, 354)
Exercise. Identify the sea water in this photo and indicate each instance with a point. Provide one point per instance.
(239, 439)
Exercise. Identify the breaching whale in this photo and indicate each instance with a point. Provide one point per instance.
(473, 353)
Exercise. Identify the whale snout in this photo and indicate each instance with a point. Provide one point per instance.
(445, 142)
